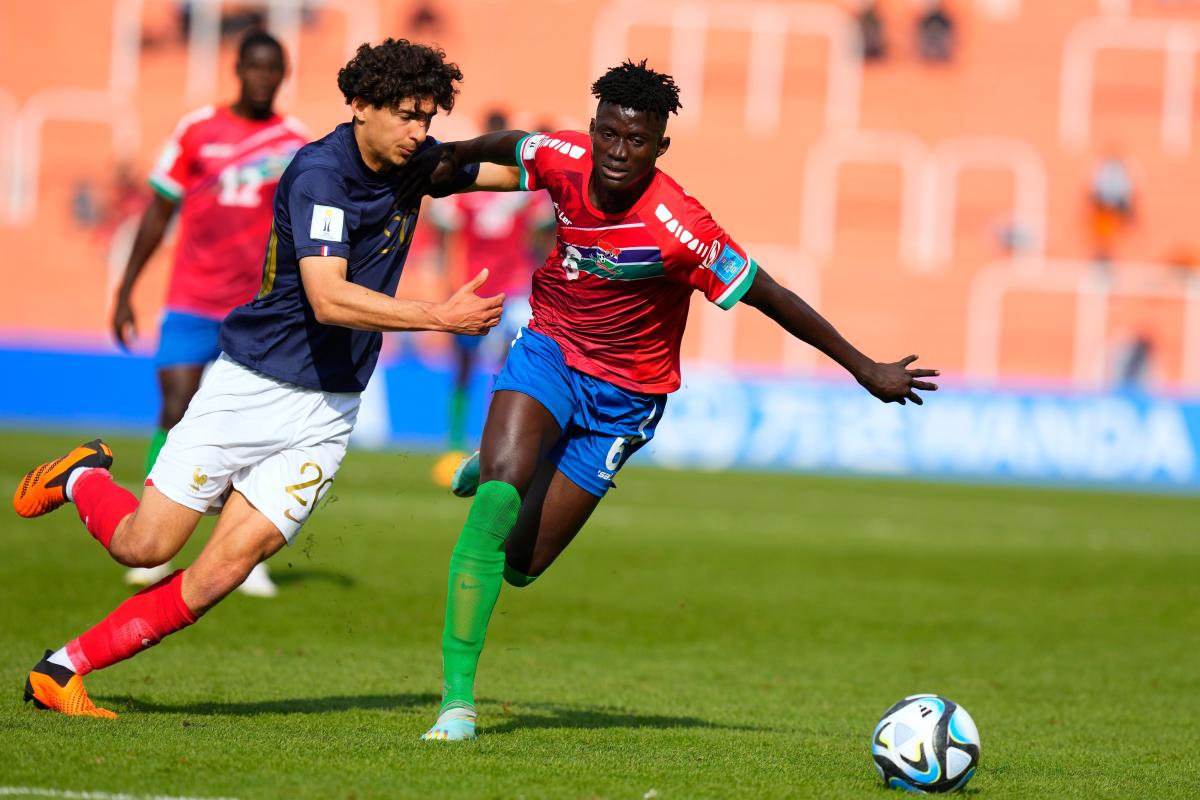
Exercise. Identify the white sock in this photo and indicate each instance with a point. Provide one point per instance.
(69, 489)
(61, 658)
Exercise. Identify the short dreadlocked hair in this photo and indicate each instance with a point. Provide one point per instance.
(640, 88)
(396, 69)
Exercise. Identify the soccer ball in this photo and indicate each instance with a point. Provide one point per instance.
(926, 743)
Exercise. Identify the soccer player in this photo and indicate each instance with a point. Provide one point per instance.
(266, 432)
(496, 232)
(219, 170)
(585, 385)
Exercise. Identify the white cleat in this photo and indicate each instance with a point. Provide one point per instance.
(147, 576)
(258, 583)
(455, 724)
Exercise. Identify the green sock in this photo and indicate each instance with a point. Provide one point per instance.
(457, 438)
(156, 444)
(476, 574)
(517, 579)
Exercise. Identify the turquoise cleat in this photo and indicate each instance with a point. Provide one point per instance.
(466, 478)
(455, 724)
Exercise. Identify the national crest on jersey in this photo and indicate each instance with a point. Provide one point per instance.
(615, 292)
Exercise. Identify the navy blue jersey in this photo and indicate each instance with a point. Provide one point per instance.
(329, 203)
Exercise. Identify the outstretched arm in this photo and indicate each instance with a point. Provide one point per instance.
(436, 166)
(149, 236)
(891, 383)
(337, 301)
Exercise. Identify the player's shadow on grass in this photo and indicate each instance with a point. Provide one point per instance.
(300, 705)
(550, 715)
(289, 576)
(529, 716)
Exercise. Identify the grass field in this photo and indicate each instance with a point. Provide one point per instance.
(709, 635)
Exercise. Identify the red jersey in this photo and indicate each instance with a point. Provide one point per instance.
(496, 229)
(222, 169)
(615, 292)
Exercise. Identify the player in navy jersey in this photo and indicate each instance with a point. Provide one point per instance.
(265, 434)
(585, 385)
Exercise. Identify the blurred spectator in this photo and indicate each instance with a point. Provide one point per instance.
(935, 33)
(1132, 361)
(870, 26)
(85, 207)
(1112, 206)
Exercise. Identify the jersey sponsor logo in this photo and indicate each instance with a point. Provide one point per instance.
(566, 148)
(217, 150)
(326, 223)
(729, 265)
(563, 218)
(685, 237)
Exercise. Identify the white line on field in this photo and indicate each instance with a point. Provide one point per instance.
(67, 794)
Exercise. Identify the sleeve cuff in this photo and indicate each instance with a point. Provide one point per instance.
(336, 249)
(523, 185)
(739, 287)
(166, 187)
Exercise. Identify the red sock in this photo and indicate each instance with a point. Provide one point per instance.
(140, 622)
(101, 503)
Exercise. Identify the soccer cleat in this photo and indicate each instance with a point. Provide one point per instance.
(258, 583)
(53, 687)
(43, 488)
(466, 478)
(455, 724)
(147, 576)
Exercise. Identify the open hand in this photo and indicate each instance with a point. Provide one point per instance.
(468, 313)
(124, 326)
(895, 383)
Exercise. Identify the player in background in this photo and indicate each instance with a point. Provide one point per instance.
(493, 231)
(219, 170)
(264, 436)
(586, 384)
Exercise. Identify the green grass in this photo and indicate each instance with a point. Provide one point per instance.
(709, 635)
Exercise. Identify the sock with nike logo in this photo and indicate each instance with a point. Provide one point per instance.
(140, 622)
(476, 574)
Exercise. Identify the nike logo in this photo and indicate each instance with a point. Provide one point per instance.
(464, 585)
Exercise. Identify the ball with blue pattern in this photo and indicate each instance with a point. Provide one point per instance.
(926, 743)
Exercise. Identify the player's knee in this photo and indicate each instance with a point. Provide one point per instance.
(173, 409)
(506, 468)
(135, 550)
(516, 578)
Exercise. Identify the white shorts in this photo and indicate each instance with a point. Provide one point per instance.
(278, 444)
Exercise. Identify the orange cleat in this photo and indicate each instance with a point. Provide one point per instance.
(43, 489)
(55, 688)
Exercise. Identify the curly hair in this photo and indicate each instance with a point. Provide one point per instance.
(638, 87)
(397, 69)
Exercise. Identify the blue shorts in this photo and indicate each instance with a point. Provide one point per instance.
(602, 425)
(187, 339)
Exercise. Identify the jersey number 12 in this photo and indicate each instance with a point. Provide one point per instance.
(240, 185)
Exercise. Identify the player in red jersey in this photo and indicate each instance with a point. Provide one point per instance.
(219, 170)
(585, 385)
(496, 232)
